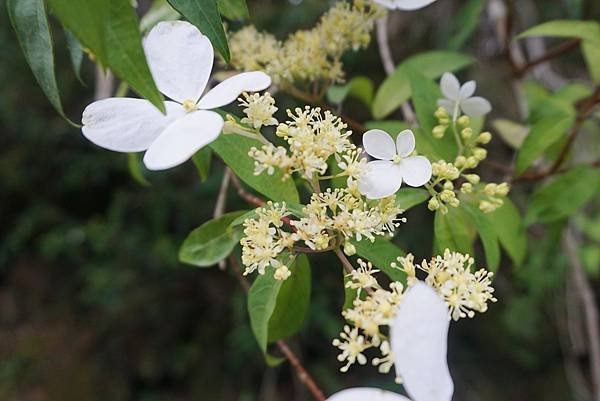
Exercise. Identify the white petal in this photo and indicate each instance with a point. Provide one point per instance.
(419, 339)
(467, 89)
(379, 144)
(126, 125)
(180, 59)
(415, 170)
(447, 104)
(366, 394)
(182, 139)
(382, 179)
(405, 143)
(475, 106)
(450, 86)
(229, 90)
(405, 4)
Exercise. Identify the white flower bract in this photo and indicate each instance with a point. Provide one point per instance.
(180, 59)
(384, 177)
(404, 4)
(460, 98)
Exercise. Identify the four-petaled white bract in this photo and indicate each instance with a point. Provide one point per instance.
(180, 59)
(461, 97)
(419, 339)
(384, 177)
(404, 4)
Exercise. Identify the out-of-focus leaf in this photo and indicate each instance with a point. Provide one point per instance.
(395, 90)
(512, 133)
(548, 128)
(233, 149)
(76, 53)
(211, 242)
(202, 160)
(508, 224)
(425, 94)
(293, 302)
(572, 93)
(535, 94)
(205, 15)
(452, 232)
(587, 31)
(359, 87)
(160, 11)
(136, 169)
(487, 234)
(564, 196)
(466, 22)
(410, 197)
(392, 127)
(233, 9)
(30, 22)
(109, 28)
(382, 253)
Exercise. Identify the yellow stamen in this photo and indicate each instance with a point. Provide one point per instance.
(189, 105)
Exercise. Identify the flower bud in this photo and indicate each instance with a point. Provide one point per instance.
(464, 120)
(472, 178)
(439, 131)
(349, 249)
(466, 188)
(466, 133)
(484, 137)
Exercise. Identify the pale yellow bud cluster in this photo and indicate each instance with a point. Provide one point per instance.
(464, 291)
(367, 316)
(265, 242)
(492, 195)
(307, 55)
(342, 214)
(443, 123)
(259, 109)
(313, 137)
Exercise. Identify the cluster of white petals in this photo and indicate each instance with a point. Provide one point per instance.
(180, 59)
(460, 98)
(418, 347)
(397, 164)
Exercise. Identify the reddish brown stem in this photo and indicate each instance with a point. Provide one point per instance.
(245, 195)
(549, 55)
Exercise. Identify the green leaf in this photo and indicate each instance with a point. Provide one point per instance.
(382, 253)
(233, 149)
(392, 127)
(557, 118)
(466, 22)
(359, 87)
(233, 9)
(202, 160)
(211, 242)
(205, 15)
(76, 53)
(565, 195)
(509, 227)
(452, 232)
(587, 31)
(30, 22)
(512, 133)
(160, 11)
(425, 94)
(395, 90)
(109, 28)
(407, 198)
(136, 169)
(487, 234)
(293, 302)
(268, 300)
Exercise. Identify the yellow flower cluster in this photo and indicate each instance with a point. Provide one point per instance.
(342, 214)
(471, 154)
(464, 291)
(367, 316)
(307, 55)
(259, 110)
(313, 137)
(264, 241)
(450, 275)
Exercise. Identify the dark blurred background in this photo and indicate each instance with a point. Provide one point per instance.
(95, 306)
